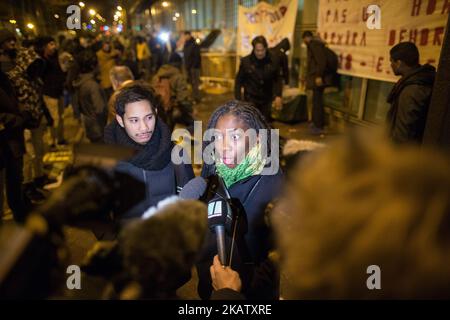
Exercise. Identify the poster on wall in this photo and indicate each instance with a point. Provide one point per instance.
(274, 22)
(362, 32)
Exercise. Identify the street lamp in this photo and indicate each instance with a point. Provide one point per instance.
(177, 14)
(194, 11)
(119, 8)
(165, 4)
(81, 4)
(92, 12)
(92, 21)
(56, 16)
(30, 25)
(12, 21)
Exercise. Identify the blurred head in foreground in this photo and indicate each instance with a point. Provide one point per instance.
(159, 252)
(364, 202)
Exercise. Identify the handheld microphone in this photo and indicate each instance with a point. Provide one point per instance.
(220, 218)
(219, 221)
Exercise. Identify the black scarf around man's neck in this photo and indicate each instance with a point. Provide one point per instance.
(155, 155)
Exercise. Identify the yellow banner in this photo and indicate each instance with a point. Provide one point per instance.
(362, 32)
(274, 22)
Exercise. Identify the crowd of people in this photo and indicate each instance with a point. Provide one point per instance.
(43, 76)
(361, 201)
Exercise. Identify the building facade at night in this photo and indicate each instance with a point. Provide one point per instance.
(360, 100)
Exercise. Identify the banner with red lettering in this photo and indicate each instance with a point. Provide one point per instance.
(274, 22)
(362, 39)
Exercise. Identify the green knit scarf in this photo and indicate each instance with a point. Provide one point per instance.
(251, 165)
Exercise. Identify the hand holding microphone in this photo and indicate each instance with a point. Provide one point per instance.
(224, 277)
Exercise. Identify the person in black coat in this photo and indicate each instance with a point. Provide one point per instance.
(319, 75)
(12, 149)
(411, 95)
(260, 76)
(53, 87)
(138, 126)
(89, 97)
(252, 185)
(192, 63)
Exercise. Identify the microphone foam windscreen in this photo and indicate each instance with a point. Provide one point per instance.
(194, 189)
(157, 251)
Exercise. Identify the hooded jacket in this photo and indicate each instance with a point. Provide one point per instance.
(26, 81)
(409, 99)
(178, 83)
(317, 65)
(89, 96)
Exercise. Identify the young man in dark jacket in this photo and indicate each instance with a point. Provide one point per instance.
(317, 78)
(90, 97)
(260, 76)
(138, 126)
(192, 63)
(410, 96)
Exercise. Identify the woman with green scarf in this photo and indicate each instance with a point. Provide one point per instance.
(242, 163)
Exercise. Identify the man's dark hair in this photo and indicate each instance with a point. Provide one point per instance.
(87, 60)
(133, 92)
(307, 33)
(406, 52)
(261, 40)
(187, 33)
